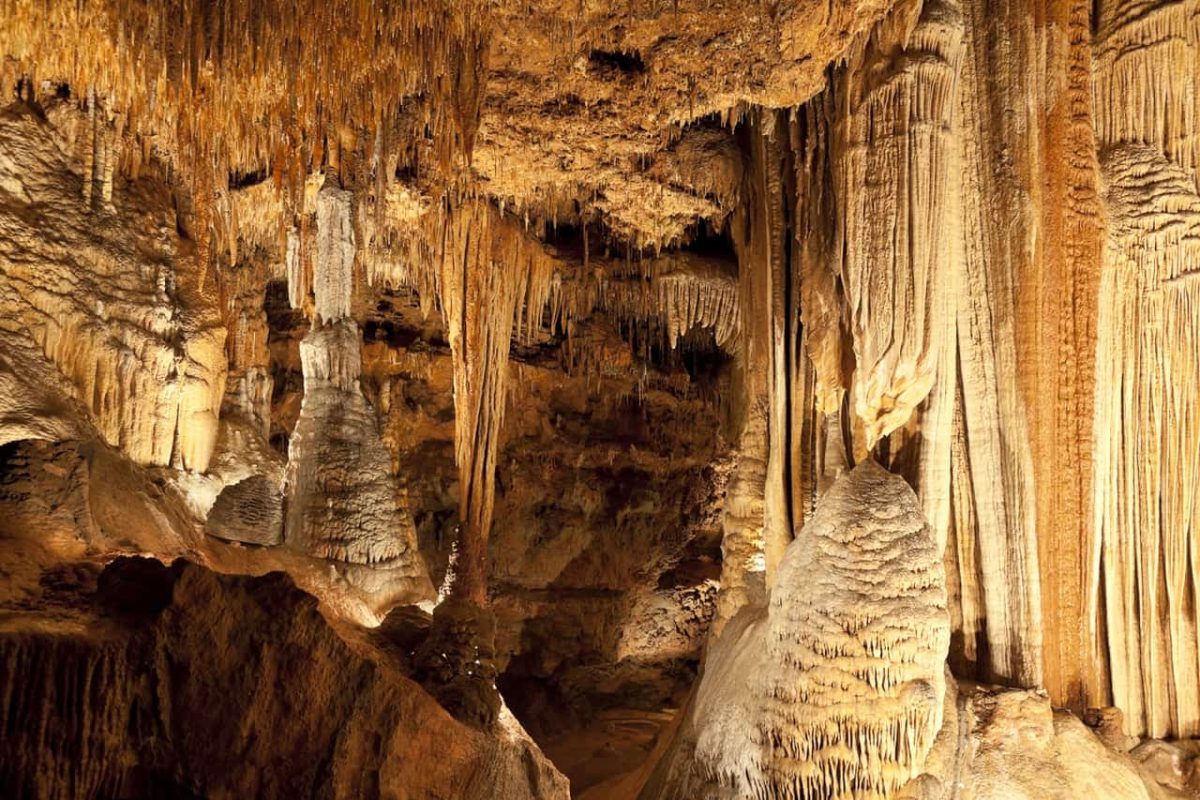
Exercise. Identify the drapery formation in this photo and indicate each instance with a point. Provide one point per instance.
(930, 272)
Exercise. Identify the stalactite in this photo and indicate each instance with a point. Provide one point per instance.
(1142, 564)
(334, 253)
(491, 276)
(1147, 433)
(107, 299)
(925, 147)
(249, 385)
(226, 87)
(822, 360)
(683, 293)
(995, 558)
(1146, 77)
(1055, 367)
(892, 168)
(758, 518)
(298, 279)
(821, 294)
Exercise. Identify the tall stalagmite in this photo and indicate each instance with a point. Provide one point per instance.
(342, 503)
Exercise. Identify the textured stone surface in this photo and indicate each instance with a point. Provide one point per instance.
(182, 682)
(834, 688)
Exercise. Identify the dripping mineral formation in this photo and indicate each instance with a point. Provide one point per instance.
(652, 400)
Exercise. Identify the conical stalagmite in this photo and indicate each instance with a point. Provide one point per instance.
(835, 688)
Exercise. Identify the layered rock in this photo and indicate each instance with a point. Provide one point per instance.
(178, 681)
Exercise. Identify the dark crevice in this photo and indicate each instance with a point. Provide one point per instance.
(614, 64)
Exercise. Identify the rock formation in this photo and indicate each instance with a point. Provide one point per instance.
(592, 365)
(834, 688)
(175, 681)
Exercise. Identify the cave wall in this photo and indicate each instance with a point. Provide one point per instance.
(969, 146)
(575, 318)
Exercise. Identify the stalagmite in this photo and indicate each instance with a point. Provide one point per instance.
(249, 511)
(342, 503)
(835, 688)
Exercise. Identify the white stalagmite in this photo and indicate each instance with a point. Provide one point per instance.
(343, 503)
(835, 689)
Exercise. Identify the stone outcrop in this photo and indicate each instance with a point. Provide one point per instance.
(176, 681)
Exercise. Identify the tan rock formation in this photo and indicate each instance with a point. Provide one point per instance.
(95, 706)
(600, 315)
(108, 295)
(342, 503)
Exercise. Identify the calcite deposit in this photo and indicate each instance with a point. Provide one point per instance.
(730, 399)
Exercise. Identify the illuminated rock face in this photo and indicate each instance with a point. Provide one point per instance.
(108, 294)
(625, 322)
